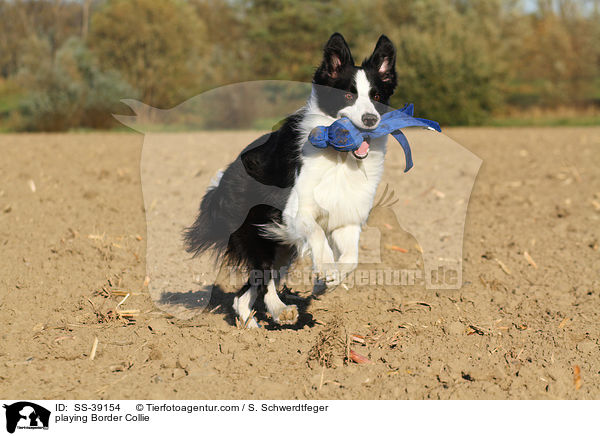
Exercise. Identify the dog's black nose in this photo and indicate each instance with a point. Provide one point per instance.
(369, 120)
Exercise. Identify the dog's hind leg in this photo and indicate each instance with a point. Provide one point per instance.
(281, 312)
(242, 304)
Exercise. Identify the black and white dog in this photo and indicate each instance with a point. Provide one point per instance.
(283, 197)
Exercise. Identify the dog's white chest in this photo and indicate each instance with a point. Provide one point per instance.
(336, 189)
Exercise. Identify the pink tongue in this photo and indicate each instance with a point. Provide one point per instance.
(363, 149)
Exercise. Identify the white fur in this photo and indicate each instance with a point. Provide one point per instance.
(333, 193)
(281, 313)
(243, 306)
(272, 301)
(363, 104)
(214, 182)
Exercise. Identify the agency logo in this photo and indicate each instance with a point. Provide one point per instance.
(26, 415)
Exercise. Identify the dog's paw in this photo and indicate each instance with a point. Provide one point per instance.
(250, 323)
(333, 277)
(286, 315)
(321, 285)
(327, 281)
(245, 315)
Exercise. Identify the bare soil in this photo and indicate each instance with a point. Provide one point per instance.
(523, 326)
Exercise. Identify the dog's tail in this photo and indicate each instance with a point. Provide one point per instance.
(208, 232)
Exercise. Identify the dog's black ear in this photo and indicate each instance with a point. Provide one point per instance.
(336, 56)
(383, 60)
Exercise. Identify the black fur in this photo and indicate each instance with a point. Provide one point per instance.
(334, 78)
(253, 191)
(382, 83)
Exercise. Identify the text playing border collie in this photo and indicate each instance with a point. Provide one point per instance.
(283, 197)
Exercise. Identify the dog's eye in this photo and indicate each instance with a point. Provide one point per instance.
(349, 96)
(376, 97)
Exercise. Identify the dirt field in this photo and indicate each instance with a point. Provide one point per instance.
(523, 326)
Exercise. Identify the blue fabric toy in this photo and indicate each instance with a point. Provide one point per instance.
(342, 135)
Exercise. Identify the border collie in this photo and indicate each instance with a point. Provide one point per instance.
(283, 197)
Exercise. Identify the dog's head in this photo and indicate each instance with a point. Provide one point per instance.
(360, 93)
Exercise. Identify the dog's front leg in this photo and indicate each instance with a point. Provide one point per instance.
(322, 258)
(346, 240)
(321, 252)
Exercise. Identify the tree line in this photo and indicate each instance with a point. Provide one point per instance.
(66, 64)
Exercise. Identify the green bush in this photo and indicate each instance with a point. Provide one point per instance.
(450, 79)
(155, 44)
(72, 91)
(446, 66)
